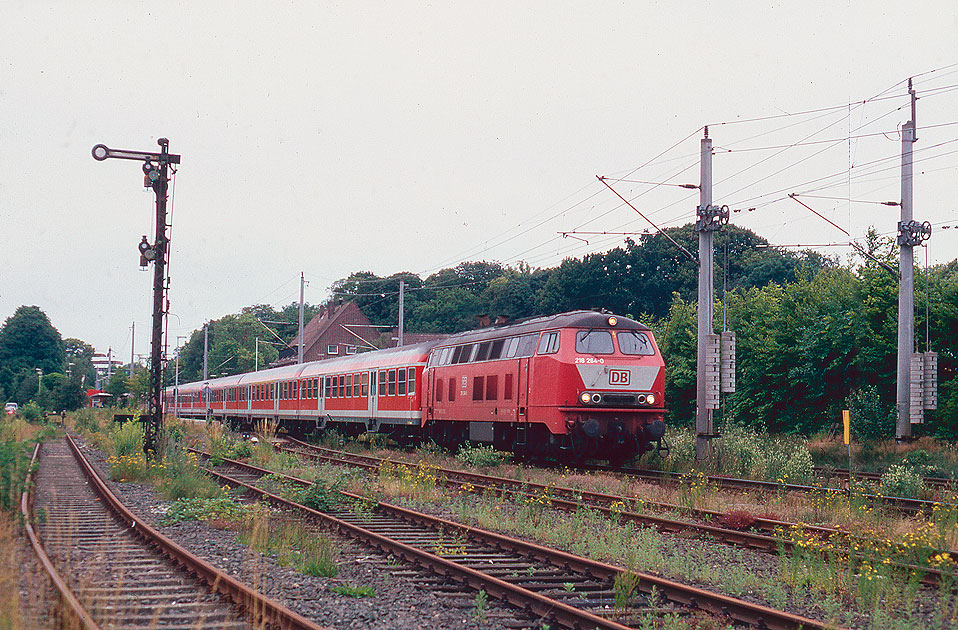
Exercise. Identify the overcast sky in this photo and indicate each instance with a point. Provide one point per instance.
(327, 138)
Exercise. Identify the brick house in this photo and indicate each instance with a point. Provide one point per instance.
(337, 330)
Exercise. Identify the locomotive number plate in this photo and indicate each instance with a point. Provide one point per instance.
(597, 360)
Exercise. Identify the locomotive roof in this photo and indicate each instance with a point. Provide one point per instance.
(572, 319)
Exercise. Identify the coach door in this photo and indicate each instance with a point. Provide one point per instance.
(428, 396)
(373, 395)
(522, 391)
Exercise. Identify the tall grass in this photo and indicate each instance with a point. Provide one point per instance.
(10, 616)
(291, 542)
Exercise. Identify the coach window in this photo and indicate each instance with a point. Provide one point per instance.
(438, 390)
(452, 389)
(412, 380)
(365, 384)
(342, 385)
(483, 353)
(447, 355)
(492, 387)
(382, 382)
(456, 354)
(511, 346)
(527, 345)
(355, 385)
(593, 342)
(392, 382)
(328, 385)
(549, 344)
(349, 386)
(496, 350)
(477, 387)
(401, 378)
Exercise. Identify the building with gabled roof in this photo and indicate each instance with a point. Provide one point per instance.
(338, 329)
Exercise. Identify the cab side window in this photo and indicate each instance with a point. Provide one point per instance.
(549, 343)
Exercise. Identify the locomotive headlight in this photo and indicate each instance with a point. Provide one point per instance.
(612, 321)
(650, 399)
(585, 397)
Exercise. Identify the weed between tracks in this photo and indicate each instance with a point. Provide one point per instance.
(292, 542)
(850, 585)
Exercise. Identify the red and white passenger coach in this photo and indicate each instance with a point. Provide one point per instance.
(571, 386)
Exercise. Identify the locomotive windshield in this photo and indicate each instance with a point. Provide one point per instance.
(593, 342)
(635, 342)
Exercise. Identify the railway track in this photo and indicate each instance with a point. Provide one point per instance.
(905, 504)
(843, 474)
(114, 571)
(557, 587)
(770, 536)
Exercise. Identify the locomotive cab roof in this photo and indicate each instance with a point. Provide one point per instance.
(572, 319)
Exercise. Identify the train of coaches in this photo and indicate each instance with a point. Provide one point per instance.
(572, 386)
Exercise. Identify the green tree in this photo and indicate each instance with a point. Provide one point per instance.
(28, 341)
(118, 387)
(676, 336)
(80, 354)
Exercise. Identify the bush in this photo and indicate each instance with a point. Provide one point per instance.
(902, 481)
(31, 412)
(183, 478)
(87, 420)
(324, 494)
(200, 509)
(14, 461)
(871, 419)
(480, 456)
(188, 484)
(127, 439)
(241, 449)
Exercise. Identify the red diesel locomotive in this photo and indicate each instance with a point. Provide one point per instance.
(570, 386)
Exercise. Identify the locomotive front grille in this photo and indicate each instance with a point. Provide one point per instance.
(618, 399)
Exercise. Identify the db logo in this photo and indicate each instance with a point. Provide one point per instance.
(619, 377)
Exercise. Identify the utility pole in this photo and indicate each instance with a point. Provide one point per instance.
(910, 234)
(709, 219)
(156, 172)
(402, 304)
(132, 338)
(206, 349)
(302, 293)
